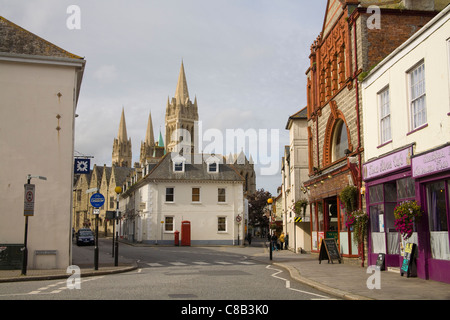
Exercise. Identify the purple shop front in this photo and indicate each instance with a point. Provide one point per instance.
(431, 172)
(388, 181)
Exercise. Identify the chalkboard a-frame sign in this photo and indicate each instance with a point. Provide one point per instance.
(409, 262)
(329, 251)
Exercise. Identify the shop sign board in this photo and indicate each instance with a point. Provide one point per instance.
(431, 162)
(387, 164)
(329, 250)
(409, 262)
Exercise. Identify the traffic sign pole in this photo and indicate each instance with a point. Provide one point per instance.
(97, 200)
(29, 196)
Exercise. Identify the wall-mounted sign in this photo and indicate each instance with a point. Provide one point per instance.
(431, 162)
(389, 163)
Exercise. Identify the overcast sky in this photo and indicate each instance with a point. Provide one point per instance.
(245, 61)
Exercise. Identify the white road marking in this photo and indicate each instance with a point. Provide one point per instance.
(288, 284)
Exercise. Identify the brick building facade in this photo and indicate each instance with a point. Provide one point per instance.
(349, 45)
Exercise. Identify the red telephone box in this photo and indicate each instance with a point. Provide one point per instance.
(185, 233)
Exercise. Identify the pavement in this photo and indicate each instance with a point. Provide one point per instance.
(344, 280)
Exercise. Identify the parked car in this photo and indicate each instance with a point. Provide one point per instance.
(85, 236)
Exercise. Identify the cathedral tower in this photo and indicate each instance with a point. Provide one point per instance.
(151, 152)
(121, 155)
(181, 117)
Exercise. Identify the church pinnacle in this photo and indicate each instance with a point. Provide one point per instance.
(121, 155)
(181, 117)
(182, 93)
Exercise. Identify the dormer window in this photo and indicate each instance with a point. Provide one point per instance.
(212, 164)
(213, 167)
(179, 164)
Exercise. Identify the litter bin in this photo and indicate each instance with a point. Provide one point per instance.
(177, 238)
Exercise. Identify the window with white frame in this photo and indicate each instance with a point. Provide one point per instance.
(213, 167)
(170, 194)
(195, 194)
(418, 109)
(385, 116)
(221, 195)
(221, 224)
(168, 223)
(448, 55)
(178, 166)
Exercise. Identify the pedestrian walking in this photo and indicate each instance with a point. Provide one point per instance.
(274, 241)
(281, 241)
(286, 240)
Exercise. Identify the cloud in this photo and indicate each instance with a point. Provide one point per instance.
(106, 73)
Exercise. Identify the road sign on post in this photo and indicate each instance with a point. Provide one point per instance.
(97, 200)
(28, 208)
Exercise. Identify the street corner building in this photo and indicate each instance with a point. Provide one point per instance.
(195, 200)
(407, 149)
(39, 89)
(348, 46)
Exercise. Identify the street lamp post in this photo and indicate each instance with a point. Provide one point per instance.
(118, 190)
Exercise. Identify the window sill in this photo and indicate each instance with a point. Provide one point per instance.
(383, 144)
(417, 129)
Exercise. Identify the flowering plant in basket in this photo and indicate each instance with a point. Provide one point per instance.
(358, 219)
(406, 214)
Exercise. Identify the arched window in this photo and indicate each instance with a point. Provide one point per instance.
(339, 142)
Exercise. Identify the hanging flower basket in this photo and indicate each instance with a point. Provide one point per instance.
(358, 220)
(299, 207)
(406, 214)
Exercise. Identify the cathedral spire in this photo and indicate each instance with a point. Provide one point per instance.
(121, 155)
(149, 137)
(181, 93)
(122, 135)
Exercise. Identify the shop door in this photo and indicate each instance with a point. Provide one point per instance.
(331, 218)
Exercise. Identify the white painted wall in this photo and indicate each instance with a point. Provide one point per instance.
(430, 45)
(31, 144)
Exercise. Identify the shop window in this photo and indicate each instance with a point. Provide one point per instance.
(437, 219)
(314, 226)
(383, 199)
(340, 141)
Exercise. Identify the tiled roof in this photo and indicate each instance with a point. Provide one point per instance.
(193, 172)
(16, 40)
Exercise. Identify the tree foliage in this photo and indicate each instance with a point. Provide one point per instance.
(257, 202)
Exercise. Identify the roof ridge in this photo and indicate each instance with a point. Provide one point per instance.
(48, 43)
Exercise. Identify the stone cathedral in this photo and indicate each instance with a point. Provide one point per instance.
(180, 121)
